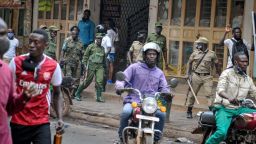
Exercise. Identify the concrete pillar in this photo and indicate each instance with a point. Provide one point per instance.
(247, 21)
(247, 29)
(153, 7)
(94, 6)
(35, 15)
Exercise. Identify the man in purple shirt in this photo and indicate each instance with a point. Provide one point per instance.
(147, 78)
(10, 102)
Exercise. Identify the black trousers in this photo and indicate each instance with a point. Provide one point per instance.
(38, 134)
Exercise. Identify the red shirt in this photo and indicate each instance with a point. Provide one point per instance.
(36, 111)
(9, 102)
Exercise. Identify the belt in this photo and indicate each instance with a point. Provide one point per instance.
(202, 74)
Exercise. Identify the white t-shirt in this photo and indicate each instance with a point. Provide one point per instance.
(106, 43)
(11, 53)
(229, 44)
(113, 36)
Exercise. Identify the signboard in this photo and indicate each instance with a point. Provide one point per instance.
(254, 41)
(11, 4)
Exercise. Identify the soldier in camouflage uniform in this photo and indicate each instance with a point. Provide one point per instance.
(159, 39)
(200, 65)
(51, 50)
(94, 60)
(71, 54)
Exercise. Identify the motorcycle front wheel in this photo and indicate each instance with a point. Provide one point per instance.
(66, 104)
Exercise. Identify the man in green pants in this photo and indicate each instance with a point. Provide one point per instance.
(234, 85)
(94, 60)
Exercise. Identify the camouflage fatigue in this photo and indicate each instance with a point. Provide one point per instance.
(72, 56)
(161, 41)
(201, 75)
(94, 59)
(51, 50)
(136, 50)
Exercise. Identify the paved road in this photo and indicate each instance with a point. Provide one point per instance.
(81, 132)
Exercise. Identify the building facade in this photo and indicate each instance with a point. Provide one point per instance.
(182, 21)
(185, 19)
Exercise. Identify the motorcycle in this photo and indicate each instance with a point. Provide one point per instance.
(241, 131)
(140, 129)
(68, 88)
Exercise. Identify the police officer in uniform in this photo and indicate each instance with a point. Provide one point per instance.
(51, 50)
(94, 60)
(159, 39)
(199, 69)
(72, 53)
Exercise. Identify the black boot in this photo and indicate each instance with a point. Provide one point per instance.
(189, 113)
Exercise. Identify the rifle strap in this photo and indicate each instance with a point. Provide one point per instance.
(199, 62)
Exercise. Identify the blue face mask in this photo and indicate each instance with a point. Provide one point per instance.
(10, 35)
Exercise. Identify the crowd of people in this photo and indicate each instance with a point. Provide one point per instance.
(28, 78)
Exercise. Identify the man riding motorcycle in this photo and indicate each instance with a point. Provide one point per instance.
(148, 79)
(234, 85)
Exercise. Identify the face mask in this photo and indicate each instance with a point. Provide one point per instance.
(10, 35)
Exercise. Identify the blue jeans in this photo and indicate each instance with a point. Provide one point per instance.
(126, 114)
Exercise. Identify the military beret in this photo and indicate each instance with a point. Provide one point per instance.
(158, 24)
(202, 40)
(53, 28)
(99, 35)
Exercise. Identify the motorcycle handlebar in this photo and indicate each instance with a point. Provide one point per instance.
(130, 90)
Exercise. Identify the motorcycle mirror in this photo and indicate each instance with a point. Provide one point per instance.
(120, 76)
(173, 82)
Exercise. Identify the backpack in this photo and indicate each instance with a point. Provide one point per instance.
(238, 46)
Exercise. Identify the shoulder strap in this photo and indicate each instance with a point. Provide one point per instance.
(199, 62)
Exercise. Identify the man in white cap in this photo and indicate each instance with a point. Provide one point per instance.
(199, 69)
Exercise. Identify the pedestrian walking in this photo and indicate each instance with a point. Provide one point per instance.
(94, 60)
(87, 31)
(113, 35)
(199, 70)
(51, 49)
(72, 53)
(14, 44)
(37, 69)
(135, 52)
(11, 102)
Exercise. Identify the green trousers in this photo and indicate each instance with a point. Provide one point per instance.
(98, 71)
(223, 118)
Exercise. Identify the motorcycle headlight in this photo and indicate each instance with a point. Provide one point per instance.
(149, 105)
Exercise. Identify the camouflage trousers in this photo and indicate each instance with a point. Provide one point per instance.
(71, 70)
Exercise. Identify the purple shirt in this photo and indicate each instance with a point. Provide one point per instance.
(147, 80)
(9, 102)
